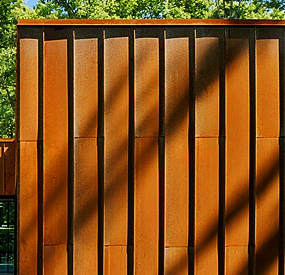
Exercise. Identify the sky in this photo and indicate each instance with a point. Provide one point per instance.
(31, 3)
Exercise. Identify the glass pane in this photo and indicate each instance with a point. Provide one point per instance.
(7, 236)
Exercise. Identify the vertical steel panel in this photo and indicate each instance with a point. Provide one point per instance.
(177, 262)
(146, 206)
(146, 87)
(55, 153)
(85, 87)
(115, 260)
(146, 191)
(206, 88)
(237, 155)
(207, 125)
(267, 88)
(85, 173)
(28, 114)
(28, 214)
(116, 119)
(116, 140)
(267, 206)
(236, 261)
(176, 149)
(206, 205)
(28, 173)
(85, 207)
(55, 261)
(176, 142)
(267, 156)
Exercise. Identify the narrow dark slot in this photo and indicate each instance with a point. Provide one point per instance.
(15, 234)
(2, 167)
(191, 144)
(100, 152)
(40, 155)
(282, 83)
(161, 150)
(130, 249)
(17, 102)
(70, 47)
(100, 155)
(17, 168)
(222, 156)
(40, 85)
(8, 241)
(281, 154)
(281, 205)
(252, 165)
(40, 206)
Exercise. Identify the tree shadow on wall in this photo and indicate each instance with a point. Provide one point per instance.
(176, 118)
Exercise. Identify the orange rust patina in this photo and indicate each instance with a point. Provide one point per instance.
(150, 147)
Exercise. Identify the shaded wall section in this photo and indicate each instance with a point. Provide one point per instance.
(150, 149)
(7, 167)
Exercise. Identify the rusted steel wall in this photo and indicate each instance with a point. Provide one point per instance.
(150, 149)
(7, 167)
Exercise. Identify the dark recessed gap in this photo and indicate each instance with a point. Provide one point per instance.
(131, 140)
(191, 144)
(281, 153)
(100, 152)
(222, 156)
(8, 244)
(252, 157)
(70, 51)
(161, 149)
(40, 155)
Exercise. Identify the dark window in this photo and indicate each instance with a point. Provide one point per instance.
(7, 235)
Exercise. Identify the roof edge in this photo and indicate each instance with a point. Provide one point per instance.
(151, 22)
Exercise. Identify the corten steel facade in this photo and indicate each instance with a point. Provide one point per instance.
(150, 147)
(7, 167)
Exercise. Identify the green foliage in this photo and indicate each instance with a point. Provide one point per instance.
(269, 9)
(12, 10)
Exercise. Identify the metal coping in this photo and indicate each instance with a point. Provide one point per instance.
(150, 22)
(7, 140)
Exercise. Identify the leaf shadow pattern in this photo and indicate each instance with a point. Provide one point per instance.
(175, 119)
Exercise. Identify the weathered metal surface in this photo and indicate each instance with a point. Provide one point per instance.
(267, 88)
(7, 167)
(146, 87)
(85, 87)
(85, 208)
(167, 22)
(146, 211)
(237, 154)
(28, 195)
(176, 261)
(115, 260)
(28, 115)
(207, 205)
(267, 206)
(176, 142)
(55, 151)
(149, 147)
(207, 87)
(116, 109)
